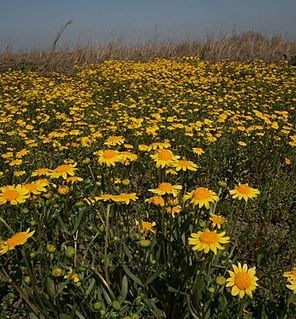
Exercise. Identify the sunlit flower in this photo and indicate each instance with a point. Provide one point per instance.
(63, 171)
(41, 171)
(37, 186)
(185, 165)
(114, 140)
(109, 157)
(242, 280)
(164, 158)
(217, 220)
(291, 279)
(244, 191)
(16, 240)
(166, 188)
(201, 196)
(74, 179)
(197, 150)
(156, 200)
(13, 194)
(208, 240)
(145, 226)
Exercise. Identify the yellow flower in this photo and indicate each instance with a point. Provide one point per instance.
(197, 150)
(208, 240)
(125, 198)
(13, 194)
(291, 279)
(241, 143)
(74, 179)
(40, 172)
(63, 171)
(18, 173)
(201, 196)
(242, 280)
(63, 190)
(164, 158)
(244, 191)
(145, 227)
(217, 220)
(166, 188)
(185, 165)
(16, 240)
(108, 157)
(37, 187)
(156, 200)
(114, 140)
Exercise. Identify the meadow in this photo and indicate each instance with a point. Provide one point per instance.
(148, 189)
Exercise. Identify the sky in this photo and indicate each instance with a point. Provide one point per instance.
(33, 24)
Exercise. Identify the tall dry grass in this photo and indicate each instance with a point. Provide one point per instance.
(242, 47)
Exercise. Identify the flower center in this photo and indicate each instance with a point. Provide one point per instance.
(201, 193)
(63, 169)
(30, 187)
(244, 189)
(242, 280)
(109, 154)
(165, 187)
(164, 155)
(208, 238)
(11, 194)
(15, 240)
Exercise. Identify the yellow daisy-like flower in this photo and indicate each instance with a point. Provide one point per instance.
(217, 220)
(185, 165)
(114, 140)
(242, 280)
(244, 191)
(145, 226)
(167, 188)
(16, 240)
(156, 200)
(37, 187)
(74, 179)
(201, 196)
(208, 240)
(197, 150)
(127, 157)
(63, 171)
(40, 172)
(164, 157)
(13, 194)
(125, 198)
(109, 157)
(291, 279)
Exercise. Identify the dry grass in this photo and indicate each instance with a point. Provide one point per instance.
(244, 47)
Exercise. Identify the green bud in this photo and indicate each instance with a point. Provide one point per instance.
(79, 204)
(98, 305)
(57, 271)
(116, 305)
(27, 279)
(144, 242)
(32, 254)
(211, 290)
(222, 184)
(221, 280)
(70, 252)
(25, 210)
(86, 161)
(51, 248)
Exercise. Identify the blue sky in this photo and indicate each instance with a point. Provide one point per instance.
(27, 24)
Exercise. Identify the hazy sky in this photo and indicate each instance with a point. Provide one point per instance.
(26, 24)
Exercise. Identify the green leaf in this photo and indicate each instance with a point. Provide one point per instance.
(90, 287)
(132, 276)
(124, 289)
(154, 276)
(77, 223)
(63, 225)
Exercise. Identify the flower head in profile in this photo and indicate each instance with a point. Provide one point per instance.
(208, 240)
(164, 157)
(167, 188)
(291, 279)
(242, 280)
(16, 240)
(145, 226)
(63, 171)
(185, 165)
(156, 200)
(201, 196)
(244, 191)
(13, 194)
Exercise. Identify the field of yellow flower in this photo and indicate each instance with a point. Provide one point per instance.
(163, 189)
